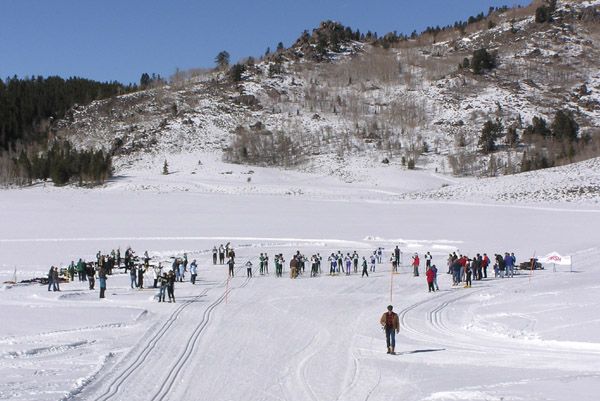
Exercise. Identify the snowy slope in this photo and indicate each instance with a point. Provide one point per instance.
(531, 337)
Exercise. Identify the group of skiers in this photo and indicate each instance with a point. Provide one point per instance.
(104, 265)
(299, 264)
(221, 253)
(465, 269)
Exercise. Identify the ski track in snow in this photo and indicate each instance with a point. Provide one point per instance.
(167, 385)
(139, 360)
(438, 331)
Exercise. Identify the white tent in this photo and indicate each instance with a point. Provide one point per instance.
(556, 259)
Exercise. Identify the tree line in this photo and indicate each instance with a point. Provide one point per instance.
(60, 162)
(29, 105)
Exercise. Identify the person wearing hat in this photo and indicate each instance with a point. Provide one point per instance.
(391, 324)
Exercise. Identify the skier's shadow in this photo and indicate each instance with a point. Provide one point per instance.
(419, 351)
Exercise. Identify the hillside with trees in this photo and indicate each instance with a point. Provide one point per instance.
(507, 91)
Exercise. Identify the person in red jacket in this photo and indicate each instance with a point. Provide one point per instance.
(484, 264)
(430, 278)
(415, 263)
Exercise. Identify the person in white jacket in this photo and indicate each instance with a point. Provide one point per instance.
(156, 273)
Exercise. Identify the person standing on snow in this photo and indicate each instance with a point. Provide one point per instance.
(449, 262)
(171, 286)
(355, 261)
(81, 270)
(249, 269)
(508, 265)
(221, 254)
(90, 273)
(133, 277)
(266, 264)
(261, 264)
(193, 271)
(429, 273)
(394, 264)
(51, 283)
(314, 266)
(164, 283)
(279, 268)
(294, 267)
(156, 273)
(415, 264)
(514, 261)
(141, 272)
(182, 268)
(364, 267)
(71, 270)
(435, 271)
(468, 273)
(231, 265)
(428, 258)
(348, 260)
(397, 255)
(102, 281)
(373, 261)
(391, 324)
(477, 267)
(485, 262)
(214, 254)
(332, 264)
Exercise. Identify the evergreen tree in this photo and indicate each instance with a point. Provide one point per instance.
(512, 138)
(544, 13)
(235, 73)
(222, 60)
(490, 132)
(276, 68)
(564, 126)
(144, 81)
(538, 127)
(165, 170)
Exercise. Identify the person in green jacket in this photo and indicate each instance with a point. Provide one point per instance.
(71, 270)
(81, 270)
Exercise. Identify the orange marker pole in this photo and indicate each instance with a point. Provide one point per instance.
(391, 284)
(532, 266)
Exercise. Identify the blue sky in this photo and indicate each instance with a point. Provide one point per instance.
(119, 40)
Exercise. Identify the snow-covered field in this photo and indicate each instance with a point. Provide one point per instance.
(532, 337)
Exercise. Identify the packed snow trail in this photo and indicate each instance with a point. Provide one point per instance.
(144, 357)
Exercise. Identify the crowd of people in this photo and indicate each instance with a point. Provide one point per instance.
(463, 269)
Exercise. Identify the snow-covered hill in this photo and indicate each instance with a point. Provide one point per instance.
(407, 102)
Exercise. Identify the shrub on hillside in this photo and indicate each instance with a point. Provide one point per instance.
(482, 60)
